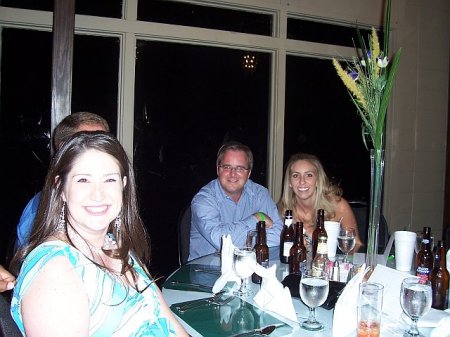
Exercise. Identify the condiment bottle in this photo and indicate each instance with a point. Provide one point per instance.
(297, 253)
(424, 258)
(261, 249)
(320, 261)
(286, 237)
(439, 278)
(318, 231)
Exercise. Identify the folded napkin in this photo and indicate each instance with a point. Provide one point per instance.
(344, 318)
(273, 296)
(226, 260)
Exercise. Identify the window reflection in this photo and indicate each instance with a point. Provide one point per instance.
(321, 119)
(190, 99)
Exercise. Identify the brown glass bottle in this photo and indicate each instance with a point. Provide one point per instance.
(286, 237)
(297, 254)
(439, 278)
(320, 261)
(424, 258)
(318, 231)
(261, 249)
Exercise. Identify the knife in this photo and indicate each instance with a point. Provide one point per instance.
(267, 330)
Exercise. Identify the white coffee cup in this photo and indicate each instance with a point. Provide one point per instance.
(332, 228)
(404, 249)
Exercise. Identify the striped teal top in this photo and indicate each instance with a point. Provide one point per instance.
(115, 309)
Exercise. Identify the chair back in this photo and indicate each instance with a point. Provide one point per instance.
(184, 235)
(361, 211)
(8, 327)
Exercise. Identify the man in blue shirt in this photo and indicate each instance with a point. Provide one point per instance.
(76, 122)
(231, 204)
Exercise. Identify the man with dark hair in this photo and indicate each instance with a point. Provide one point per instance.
(76, 122)
(231, 204)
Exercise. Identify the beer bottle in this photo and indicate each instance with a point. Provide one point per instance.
(297, 254)
(320, 261)
(439, 278)
(318, 231)
(286, 237)
(424, 258)
(261, 249)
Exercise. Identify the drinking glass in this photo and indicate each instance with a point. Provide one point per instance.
(346, 241)
(251, 238)
(244, 262)
(415, 299)
(313, 292)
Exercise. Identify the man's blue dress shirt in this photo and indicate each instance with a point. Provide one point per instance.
(215, 214)
(26, 221)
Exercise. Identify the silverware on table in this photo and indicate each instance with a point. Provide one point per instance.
(208, 270)
(265, 331)
(214, 300)
(190, 285)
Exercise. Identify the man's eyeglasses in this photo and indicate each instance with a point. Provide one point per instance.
(229, 168)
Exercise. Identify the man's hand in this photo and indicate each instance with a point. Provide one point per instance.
(7, 280)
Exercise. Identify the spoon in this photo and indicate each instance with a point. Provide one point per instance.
(262, 331)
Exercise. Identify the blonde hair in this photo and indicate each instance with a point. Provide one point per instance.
(326, 193)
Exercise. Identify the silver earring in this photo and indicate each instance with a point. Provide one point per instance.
(61, 227)
(110, 238)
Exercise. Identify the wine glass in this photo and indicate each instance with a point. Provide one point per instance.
(346, 241)
(313, 292)
(244, 262)
(415, 299)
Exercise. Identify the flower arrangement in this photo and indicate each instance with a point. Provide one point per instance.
(369, 79)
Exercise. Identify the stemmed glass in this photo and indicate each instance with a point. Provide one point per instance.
(415, 299)
(313, 292)
(346, 241)
(244, 262)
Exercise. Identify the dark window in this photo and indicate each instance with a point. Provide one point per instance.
(321, 119)
(95, 80)
(107, 8)
(185, 14)
(25, 110)
(328, 33)
(189, 100)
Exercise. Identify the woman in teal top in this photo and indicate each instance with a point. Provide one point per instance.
(83, 272)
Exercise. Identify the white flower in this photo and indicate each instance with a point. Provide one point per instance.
(382, 62)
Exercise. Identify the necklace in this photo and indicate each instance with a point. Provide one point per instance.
(81, 244)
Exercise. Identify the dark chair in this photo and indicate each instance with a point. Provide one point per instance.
(8, 327)
(184, 235)
(361, 212)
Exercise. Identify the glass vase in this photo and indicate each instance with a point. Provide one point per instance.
(376, 193)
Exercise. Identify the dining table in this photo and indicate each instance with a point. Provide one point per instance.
(194, 281)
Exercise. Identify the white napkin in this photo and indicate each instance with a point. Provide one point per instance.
(443, 327)
(226, 259)
(344, 318)
(273, 296)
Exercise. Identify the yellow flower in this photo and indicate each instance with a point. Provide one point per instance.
(350, 84)
(375, 46)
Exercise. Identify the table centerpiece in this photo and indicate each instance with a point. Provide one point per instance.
(369, 78)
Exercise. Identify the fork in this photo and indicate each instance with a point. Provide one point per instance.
(215, 300)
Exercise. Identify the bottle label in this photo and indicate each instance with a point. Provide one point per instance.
(317, 269)
(423, 273)
(287, 247)
(322, 248)
(288, 222)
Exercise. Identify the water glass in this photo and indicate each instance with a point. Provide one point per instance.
(244, 263)
(415, 299)
(313, 292)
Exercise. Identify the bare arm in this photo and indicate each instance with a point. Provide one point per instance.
(56, 303)
(344, 211)
(7, 280)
